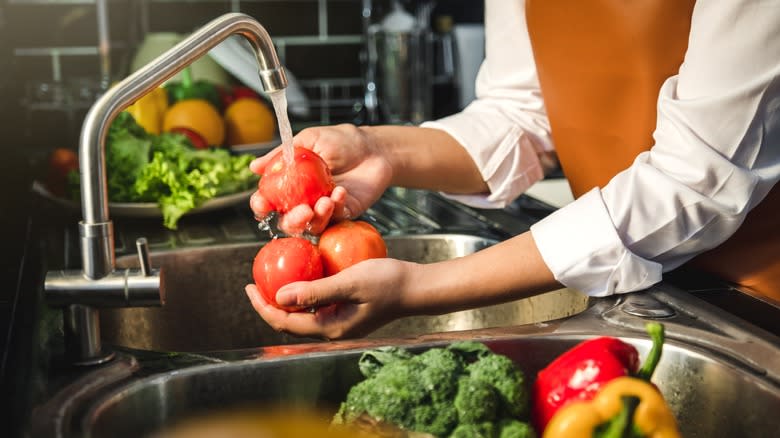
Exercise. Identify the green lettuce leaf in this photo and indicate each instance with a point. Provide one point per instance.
(168, 170)
(181, 178)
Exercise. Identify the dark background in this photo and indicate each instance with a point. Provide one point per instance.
(28, 134)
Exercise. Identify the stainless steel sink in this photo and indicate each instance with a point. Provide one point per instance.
(206, 308)
(719, 374)
(711, 398)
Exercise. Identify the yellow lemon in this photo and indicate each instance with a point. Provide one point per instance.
(249, 120)
(197, 115)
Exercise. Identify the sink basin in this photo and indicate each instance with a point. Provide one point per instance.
(206, 308)
(710, 397)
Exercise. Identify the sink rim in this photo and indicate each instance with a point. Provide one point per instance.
(444, 234)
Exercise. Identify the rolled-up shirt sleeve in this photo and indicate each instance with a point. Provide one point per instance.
(506, 127)
(716, 156)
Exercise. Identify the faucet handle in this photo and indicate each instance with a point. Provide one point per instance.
(143, 256)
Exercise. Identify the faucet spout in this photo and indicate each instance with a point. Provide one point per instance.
(97, 285)
(96, 241)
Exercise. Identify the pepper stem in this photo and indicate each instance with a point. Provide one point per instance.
(656, 332)
(621, 426)
(186, 77)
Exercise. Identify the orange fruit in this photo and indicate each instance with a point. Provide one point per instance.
(197, 115)
(249, 120)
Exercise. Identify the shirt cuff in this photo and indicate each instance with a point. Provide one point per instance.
(583, 250)
(509, 168)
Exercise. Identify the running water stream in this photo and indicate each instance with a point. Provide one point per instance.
(279, 100)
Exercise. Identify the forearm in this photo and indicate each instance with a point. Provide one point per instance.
(426, 158)
(507, 271)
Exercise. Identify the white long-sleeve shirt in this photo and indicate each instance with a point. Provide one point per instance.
(716, 153)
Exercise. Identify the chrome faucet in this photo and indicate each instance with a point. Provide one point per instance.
(81, 293)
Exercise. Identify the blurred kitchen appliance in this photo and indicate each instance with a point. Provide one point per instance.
(446, 92)
(470, 45)
(399, 73)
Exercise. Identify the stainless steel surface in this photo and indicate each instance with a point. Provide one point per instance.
(120, 288)
(145, 262)
(104, 42)
(397, 61)
(646, 306)
(404, 74)
(206, 307)
(98, 284)
(709, 392)
(82, 335)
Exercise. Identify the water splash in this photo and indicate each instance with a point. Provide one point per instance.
(279, 100)
(269, 225)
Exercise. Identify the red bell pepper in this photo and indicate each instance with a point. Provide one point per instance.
(579, 373)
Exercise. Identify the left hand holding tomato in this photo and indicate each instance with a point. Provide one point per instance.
(285, 260)
(286, 267)
(368, 295)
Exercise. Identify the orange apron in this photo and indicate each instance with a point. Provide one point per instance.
(601, 65)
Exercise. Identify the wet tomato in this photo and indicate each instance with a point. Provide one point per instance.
(282, 261)
(346, 243)
(303, 181)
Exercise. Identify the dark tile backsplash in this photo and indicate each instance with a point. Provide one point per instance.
(63, 25)
(330, 61)
(295, 18)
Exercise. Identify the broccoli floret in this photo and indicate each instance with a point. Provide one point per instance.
(438, 368)
(464, 390)
(436, 419)
(476, 401)
(481, 430)
(500, 372)
(510, 428)
(389, 396)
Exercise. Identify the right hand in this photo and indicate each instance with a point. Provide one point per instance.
(360, 168)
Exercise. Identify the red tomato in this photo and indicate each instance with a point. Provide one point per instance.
(346, 243)
(304, 181)
(197, 141)
(282, 261)
(62, 161)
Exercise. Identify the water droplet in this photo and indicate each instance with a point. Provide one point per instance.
(269, 224)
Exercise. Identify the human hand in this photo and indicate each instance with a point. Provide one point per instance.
(352, 303)
(360, 170)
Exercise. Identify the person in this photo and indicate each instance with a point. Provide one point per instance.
(665, 117)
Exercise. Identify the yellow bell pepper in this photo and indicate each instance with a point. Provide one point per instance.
(652, 416)
(148, 111)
